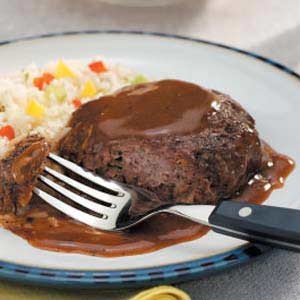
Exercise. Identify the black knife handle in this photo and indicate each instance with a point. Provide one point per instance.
(264, 224)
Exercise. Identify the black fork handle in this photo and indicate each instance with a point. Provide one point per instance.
(276, 226)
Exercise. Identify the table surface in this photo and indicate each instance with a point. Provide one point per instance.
(268, 27)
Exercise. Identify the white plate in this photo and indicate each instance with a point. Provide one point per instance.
(270, 94)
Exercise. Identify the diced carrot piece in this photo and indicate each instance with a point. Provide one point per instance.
(76, 102)
(7, 131)
(98, 67)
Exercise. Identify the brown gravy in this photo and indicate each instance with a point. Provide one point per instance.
(45, 228)
(124, 114)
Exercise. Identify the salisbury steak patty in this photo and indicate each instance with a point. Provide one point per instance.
(19, 171)
(182, 142)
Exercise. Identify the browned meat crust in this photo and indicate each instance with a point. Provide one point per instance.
(19, 171)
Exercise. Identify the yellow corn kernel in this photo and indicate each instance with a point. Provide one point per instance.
(35, 109)
(62, 70)
(89, 90)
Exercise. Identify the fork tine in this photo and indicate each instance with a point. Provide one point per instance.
(97, 222)
(110, 199)
(98, 208)
(85, 174)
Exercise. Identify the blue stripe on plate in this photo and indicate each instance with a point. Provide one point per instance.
(140, 277)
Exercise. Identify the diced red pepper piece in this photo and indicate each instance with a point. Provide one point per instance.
(98, 67)
(39, 82)
(76, 102)
(7, 131)
(48, 78)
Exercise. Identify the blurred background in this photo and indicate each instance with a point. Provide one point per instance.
(268, 27)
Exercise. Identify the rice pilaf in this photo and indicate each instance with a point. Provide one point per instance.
(41, 100)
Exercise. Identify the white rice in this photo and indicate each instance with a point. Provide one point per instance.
(18, 88)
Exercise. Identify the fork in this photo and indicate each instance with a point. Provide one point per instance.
(270, 225)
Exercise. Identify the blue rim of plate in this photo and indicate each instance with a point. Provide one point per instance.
(148, 276)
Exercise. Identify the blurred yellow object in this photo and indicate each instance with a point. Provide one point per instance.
(35, 109)
(89, 90)
(162, 293)
(62, 70)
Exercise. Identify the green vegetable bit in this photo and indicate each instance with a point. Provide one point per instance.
(59, 93)
(139, 79)
(26, 76)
